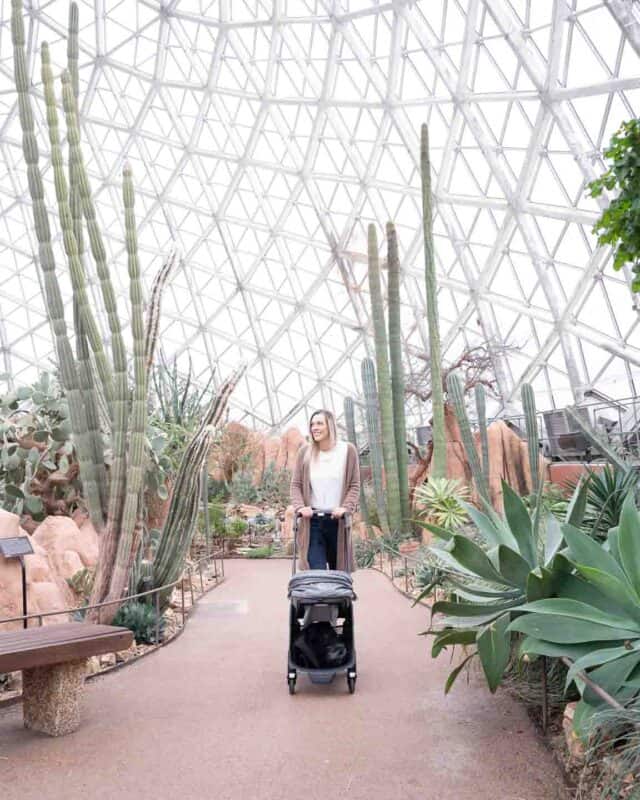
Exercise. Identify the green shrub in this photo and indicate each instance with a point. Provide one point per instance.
(274, 487)
(259, 552)
(442, 499)
(605, 497)
(242, 489)
(365, 551)
(82, 582)
(140, 619)
(236, 527)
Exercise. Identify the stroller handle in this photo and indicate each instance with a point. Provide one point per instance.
(323, 512)
(317, 512)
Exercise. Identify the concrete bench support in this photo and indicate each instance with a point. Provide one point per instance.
(52, 697)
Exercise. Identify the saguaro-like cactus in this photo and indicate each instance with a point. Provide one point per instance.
(392, 483)
(439, 458)
(397, 372)
(350, 421)
(533, 442)
(375, 447)
(481, 409)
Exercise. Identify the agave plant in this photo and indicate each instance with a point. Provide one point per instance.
(442, 500)
(518, 560)
(594, 620)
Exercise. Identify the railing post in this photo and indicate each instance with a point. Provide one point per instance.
(201, 580)
(182, 593)
(156, 597)
(406, 575)
(193, 602)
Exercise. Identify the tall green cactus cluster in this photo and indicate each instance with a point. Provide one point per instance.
(439, 458)
(96, 383)
(375, 442)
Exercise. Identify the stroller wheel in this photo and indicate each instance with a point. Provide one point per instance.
(291, 680)
(351, 682)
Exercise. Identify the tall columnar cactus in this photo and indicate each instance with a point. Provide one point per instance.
(481, 409)
(439, 458)
(389, 454)
(456, 395)
(533, 440)
(351, 435)
(397, 372)
(375, 447)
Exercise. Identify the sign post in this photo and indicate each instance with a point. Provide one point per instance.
(18, 547)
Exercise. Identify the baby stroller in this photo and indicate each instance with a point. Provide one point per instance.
(321, 642)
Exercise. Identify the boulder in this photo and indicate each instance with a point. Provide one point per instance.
(46, 588)
(60, 535)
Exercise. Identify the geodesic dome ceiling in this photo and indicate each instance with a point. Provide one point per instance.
(265, 136)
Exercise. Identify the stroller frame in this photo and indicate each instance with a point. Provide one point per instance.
(303, 612)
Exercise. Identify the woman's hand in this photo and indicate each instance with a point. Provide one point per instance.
(338, 512)
(306, 512)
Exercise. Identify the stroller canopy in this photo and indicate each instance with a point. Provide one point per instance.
(318, 585)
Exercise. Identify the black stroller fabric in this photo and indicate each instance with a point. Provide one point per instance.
(318, 646)
(321, 585)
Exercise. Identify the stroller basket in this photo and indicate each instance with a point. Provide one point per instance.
(321, 586)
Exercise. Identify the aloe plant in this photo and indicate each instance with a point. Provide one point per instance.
(491, 581)
(595, 618)
(607, 492)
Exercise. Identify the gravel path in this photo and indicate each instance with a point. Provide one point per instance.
(210, 717)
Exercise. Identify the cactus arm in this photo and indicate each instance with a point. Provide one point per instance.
(531, 425)
(53, 297)
(136, 454)
(153, 316)
(481, 407)
(373, 429)
(397, 373)
(352, 437)
(384, 386)
(439, 461)
(456, 395)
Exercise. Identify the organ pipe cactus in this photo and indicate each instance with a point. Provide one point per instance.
(373, 429)
(397, 372)
(389, 455)
(351, 435)
(531, 425)
(439, 459)
(456, 395)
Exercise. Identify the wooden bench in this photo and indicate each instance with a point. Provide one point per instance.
(53, 660)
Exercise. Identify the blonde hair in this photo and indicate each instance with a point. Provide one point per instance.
(330, 419)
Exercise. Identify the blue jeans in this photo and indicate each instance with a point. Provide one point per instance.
(323, 543)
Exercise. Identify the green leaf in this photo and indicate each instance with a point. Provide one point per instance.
(540, 647)
(13, 491)
(40, 436)
(553, 539)
(559, 629)
(471, 609)
(612, 588)
(574, 609)
(33, 504)
(577, 504)
(585, 551)
(513, 566)
(473, 559)
(519, 523)
(451, 637)
(629, 541)
(492, 533)
(494, 647)
(611, 677)
(454, 673)
(441, 533)
(597, 658)
(540, 583)
(575, 587)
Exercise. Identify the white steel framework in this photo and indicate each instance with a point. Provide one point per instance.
(265, 135)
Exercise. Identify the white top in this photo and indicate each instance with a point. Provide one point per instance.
(326, 474)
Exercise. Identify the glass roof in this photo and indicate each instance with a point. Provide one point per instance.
(264, 137)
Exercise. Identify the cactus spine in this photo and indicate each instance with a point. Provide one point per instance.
(456, 395)
(373, 429)
(439, 459)
(389, 456)
(351, 435)
(481, 408)
(397, 373)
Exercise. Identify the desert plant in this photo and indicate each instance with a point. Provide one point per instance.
(385, 401)
(515, 563)
(375, 446)
(439, 460)
(553, 500)
(236, 527)
(365, 551)
(594, 619)
(397, 371)
(82, 582)
(606, 494)
(273, 489)
(441, 499)
(259, 552)
(242, 488)
(178, 401)
(455, 395)
(142, 619)
(619, 224)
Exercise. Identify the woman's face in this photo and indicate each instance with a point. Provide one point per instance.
(319, 428)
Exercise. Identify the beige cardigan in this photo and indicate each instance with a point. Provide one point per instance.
(301, 496)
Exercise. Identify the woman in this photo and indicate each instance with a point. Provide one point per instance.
(326, 476)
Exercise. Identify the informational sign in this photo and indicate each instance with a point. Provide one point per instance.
(15, 546)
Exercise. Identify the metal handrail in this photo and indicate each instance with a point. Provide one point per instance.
(156, 591)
